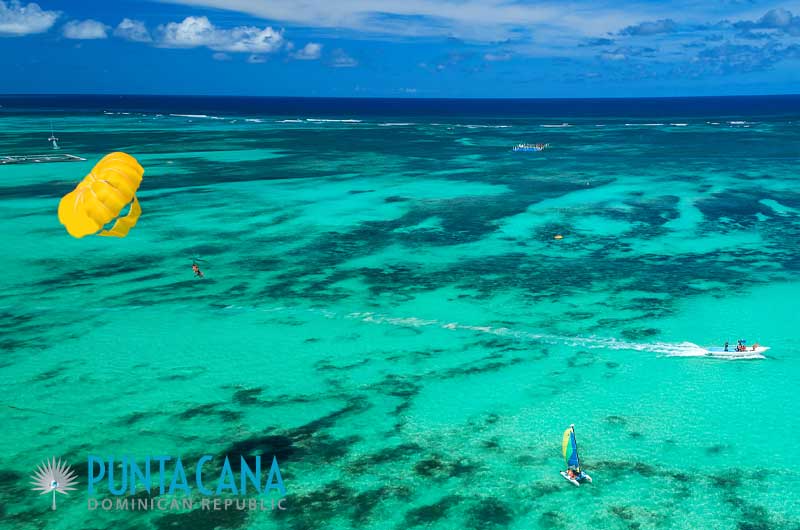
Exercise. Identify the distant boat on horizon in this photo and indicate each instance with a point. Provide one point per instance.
(43, 158)
(530, 147)
(53, 138)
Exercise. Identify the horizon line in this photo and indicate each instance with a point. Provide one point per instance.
(408, 98)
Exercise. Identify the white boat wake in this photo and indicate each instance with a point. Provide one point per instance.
(667, 349)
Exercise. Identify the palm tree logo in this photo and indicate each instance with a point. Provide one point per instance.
(54, 476)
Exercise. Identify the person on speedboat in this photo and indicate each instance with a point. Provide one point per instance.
(726, 346)
(755, 346)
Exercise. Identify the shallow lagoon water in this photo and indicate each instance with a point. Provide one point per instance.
(385, 308)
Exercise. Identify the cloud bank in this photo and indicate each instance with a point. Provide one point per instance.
(666, 25)
(475, 20)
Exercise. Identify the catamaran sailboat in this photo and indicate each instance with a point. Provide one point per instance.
(569, 447)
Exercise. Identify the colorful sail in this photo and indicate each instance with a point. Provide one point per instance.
(569, 447)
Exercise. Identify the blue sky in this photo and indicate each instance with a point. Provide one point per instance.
(400, 48)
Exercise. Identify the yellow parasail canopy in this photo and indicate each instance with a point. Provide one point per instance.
(100, 197)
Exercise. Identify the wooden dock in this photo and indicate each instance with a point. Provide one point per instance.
(39, 159)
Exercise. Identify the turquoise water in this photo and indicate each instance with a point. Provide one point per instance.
(386, 309)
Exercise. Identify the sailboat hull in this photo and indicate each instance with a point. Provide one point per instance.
(570, 480)
(574, 482)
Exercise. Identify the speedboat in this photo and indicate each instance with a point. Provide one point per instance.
(530, 147)
(748, 352)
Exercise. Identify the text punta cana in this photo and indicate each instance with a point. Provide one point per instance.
(125, 476)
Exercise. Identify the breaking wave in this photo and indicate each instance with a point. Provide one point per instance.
(326, 120)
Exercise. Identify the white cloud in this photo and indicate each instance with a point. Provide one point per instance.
(17, 19)
(132, 30)
(190, 33)
(613, 56)
(339, 59)
(85, 29)
(309, 52)
(475, 20)
(193, 32)
(495, 57)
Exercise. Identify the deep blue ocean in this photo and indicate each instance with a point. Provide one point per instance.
(750, 106)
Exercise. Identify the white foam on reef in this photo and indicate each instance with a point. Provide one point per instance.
(391, 124)
(679, 124)
(325, 120)
(471, 125)
(290, 121)
(190, 115)
(253, 120)
(553, 126)
(644, 124)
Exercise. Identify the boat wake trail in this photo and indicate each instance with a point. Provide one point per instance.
(669, 349)
(665, 349)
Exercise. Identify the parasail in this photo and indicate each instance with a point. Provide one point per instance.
(101, 196)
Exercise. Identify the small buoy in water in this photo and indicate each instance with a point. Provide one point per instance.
(558, 236)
